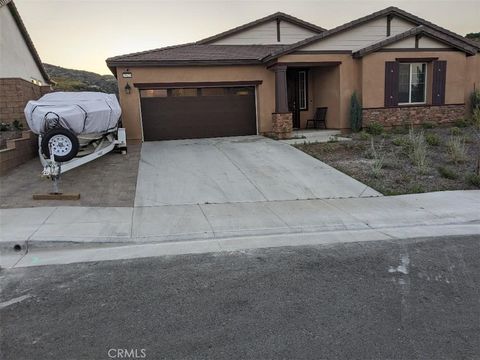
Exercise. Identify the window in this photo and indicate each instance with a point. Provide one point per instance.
(302, 90)
(412, 83)
(153, 93)
(183, 92)
(213, 91)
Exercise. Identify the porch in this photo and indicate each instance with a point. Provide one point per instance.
(301, 88)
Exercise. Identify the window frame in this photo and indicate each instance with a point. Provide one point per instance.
(303, 107)
(410, 84)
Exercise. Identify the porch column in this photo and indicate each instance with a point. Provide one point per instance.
(281, 99)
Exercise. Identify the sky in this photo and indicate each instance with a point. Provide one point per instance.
(81, 34)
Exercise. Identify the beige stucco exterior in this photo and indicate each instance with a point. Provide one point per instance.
(328, 85)
(131, 116)
(373, 75)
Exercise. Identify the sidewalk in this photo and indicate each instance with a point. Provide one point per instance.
(52, 228)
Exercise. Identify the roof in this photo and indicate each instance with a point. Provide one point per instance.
(388, 11)
(275, 16)
(197, 54)
(419, 30)
(26, 37)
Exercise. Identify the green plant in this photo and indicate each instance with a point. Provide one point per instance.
(447, 173)
(428, 125)
(363, 135)
(456, 149)
(418, 149)
(462, 123)
(4, 126)
(17, 125)
(400, 141)
(378, 159)
(455, 131)
(374, 128)
(432, 139)
(473, 179)
(475, 100)
(356, 116)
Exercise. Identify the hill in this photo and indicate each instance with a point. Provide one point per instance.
(79, 80)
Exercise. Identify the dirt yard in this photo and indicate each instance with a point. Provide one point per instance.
(396, 164)
(108, 181)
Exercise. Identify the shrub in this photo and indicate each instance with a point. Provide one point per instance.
(4, 126)
(378, 159)
(457, 149)
(416, 188)
(400, 141)
(461, 123)
(364, 135)
(374, 128)
(455, 131)
(428, 125)
(418, 150)
(475, 100)
(473, 179)
(356, 116)
(432, 139)
(447, 173)
(17, 125)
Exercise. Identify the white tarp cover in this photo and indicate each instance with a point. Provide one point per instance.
(81, 112)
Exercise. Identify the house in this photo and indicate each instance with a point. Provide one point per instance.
(22, 76)
(269, 76)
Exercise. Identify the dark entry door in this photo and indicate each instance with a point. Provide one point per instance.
(191, 113)
(293, 98)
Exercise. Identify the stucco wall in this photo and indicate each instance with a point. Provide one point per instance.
(472, 80)
(15, 58)
(373, 74)
(327, 94)
(131, 103)
(349, 81)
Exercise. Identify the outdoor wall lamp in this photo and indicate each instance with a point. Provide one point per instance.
(128, 89)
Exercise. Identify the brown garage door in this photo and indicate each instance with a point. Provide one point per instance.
(190, 113)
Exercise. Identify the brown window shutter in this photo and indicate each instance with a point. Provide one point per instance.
(391, 83)
(438, 84)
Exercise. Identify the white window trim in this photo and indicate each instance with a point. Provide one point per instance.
(410, 86)
(305, 105)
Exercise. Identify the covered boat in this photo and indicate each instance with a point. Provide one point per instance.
(79, 112)
(75, 128)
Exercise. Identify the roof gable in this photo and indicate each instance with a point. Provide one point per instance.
(278, 28)
(426, 39)
(390, 12)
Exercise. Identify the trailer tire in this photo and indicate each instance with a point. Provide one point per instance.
(63, 142)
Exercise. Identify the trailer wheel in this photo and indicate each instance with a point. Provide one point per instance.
(64, 144)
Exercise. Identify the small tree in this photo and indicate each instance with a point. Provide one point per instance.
(355, 113)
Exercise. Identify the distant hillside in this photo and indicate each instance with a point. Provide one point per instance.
(79, 80)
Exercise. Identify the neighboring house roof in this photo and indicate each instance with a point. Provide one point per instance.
(388, 11)
(26, 37)
(419, 30)
(195, 54)
(275, 16)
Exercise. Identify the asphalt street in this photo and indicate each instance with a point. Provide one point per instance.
(402, 299)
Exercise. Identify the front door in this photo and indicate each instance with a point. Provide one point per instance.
(293, 100)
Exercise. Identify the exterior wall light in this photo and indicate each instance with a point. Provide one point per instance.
(128, 89)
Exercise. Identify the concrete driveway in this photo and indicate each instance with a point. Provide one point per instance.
(236, 169)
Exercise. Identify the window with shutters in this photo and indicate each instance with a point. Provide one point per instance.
(412, 82)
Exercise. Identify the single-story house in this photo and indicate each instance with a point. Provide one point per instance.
(270, 75)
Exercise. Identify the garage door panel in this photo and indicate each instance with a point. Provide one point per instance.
(184, 117)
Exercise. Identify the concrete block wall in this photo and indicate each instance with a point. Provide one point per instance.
(18, 151)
